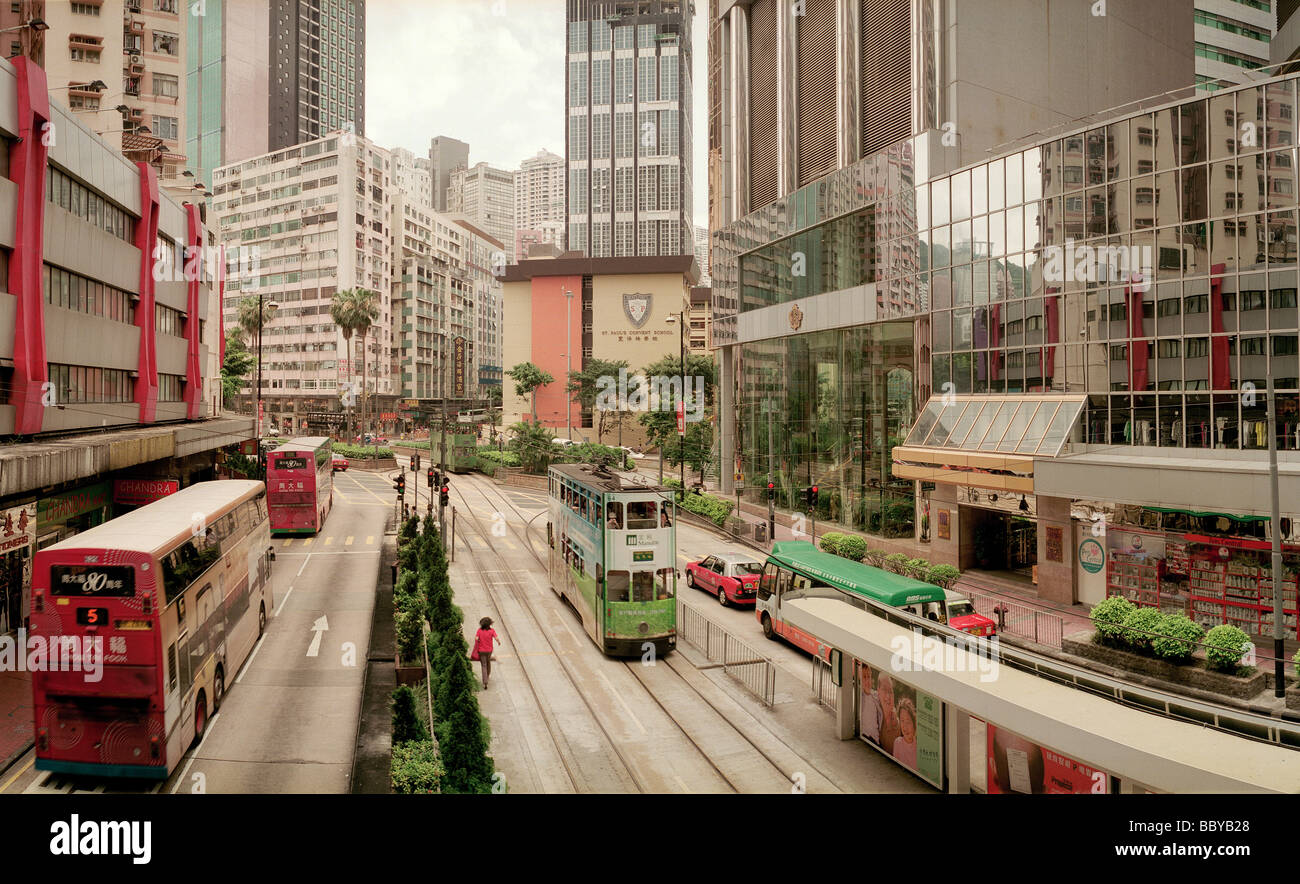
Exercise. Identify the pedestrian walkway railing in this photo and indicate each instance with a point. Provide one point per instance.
(823, 687)
(1023, 621)
(756, 673)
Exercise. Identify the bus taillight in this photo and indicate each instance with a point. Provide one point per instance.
(38, 600)
(147, 604)
(154, 747)
(43, 739)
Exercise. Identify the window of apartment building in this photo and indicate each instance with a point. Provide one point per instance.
(668, 78)
(646, 86)
(167, 128)
(577, 83)
(1197, 347)
(85, 48)
(165, 43)
(75, 197)
(623, 134)
(578, 138)
(164, 6)
(75, 292)
(168, 321)
(623, 85)
(82, 383)
(166, 86)
(600, 136)
(80, 8)
(170, 387)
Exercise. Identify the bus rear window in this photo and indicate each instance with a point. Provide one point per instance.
(641, 515)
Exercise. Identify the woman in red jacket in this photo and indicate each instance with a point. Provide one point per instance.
(483, 647)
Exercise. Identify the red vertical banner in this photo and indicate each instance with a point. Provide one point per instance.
(193, 263)
(28, 157)
(1220, 374)
(146, 240)
(1138, 349)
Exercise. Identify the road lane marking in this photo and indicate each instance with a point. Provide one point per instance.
(307, 541)
(370, 540)
(206, 730)
(348, 542)
(318, 629)
(509, 543)
(20, 772)
(619, 697)
(329, 540)
(286, 542)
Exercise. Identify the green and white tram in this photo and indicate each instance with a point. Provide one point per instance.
(613, 555)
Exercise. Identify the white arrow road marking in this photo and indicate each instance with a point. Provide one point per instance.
(318, 627)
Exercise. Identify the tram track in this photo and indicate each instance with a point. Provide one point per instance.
(709, 707)
(520, 596)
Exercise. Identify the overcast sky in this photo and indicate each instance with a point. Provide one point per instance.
(491, 73)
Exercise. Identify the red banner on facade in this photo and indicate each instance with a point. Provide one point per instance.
(137, 492)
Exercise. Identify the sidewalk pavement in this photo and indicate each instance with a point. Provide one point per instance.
(17, 729)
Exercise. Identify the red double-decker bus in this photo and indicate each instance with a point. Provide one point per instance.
(171, 599)
(300, 485)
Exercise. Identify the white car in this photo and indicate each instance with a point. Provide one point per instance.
(635, 455)
(560, 440)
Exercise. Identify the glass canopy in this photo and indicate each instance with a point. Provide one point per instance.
(1020, 424)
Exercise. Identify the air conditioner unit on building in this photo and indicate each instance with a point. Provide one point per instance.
(135, 59)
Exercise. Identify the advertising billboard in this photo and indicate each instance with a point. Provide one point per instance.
(902, 722)
(1018, 765)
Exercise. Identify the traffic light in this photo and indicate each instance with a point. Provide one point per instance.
(415, 463)
(431, 476)
(443, 496)
(771, 491)
(400, 484)
(810, 496)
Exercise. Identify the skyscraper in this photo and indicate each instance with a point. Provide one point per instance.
(318, 50)
(628, 127)
(539, 201)
(411, 177)
(227, 85)
(445, 156)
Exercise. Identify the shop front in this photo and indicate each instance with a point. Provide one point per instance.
(17, 539)
(1214, 567)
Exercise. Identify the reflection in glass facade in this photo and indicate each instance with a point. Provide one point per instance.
(1149, 264)
(826, 408)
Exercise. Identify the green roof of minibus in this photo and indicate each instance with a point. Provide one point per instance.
(885, 587)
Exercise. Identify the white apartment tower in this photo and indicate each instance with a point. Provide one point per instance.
(319, 214)
(411, 176)
(539, 202)
(1232, 38)
(628, 127)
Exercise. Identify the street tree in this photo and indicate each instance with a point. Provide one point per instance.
(528, 378)
(584, 386)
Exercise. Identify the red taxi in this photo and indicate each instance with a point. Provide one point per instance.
(340, 463)
(732, 577)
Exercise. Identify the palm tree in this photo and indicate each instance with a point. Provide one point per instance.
(355, 310)
(248, 324)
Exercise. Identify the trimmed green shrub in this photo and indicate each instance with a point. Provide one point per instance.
(1108, 616)
(410, 635)
(715, 509)
(1225, 645)
(875, 558)
(1139, 626)
(853, 547)
(406, 594)
(416, 768)
(896, 562)
(504, 458)
(943, 575)
(463, 743)
(830, 542)
(920, 568)
(1178, 638)
(407, 725)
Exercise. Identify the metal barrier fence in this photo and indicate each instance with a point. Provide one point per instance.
(823, 688)
(756, 673)
(1020, 620)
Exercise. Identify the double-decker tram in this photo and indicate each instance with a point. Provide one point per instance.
(161, 607)
(613, 555)
(300, 485)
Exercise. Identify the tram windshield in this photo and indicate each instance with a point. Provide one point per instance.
(614, 516)
(617, 584)
(641, 515)
(643, 586)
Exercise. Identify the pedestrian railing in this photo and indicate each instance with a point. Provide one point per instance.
(823, 685)
(1023, 621)
(756, 673)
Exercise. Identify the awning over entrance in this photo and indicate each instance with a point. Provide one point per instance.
(987, 441)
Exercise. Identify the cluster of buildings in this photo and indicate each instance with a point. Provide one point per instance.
(1010, 285)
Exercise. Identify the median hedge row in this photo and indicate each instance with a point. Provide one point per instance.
(715, 509)
(1172, 637)
(361, 451)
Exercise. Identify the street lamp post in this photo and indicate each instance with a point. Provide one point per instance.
(680, 319)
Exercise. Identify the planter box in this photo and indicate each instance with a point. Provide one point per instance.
(1190, 675)
(407, 674)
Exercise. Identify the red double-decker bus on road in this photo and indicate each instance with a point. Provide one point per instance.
(172, 599)
(300, 485)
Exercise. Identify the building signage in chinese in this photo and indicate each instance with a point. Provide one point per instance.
(137, 492)
(18, 528)
(458, 368)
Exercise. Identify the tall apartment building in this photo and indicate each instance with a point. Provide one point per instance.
(228, 90)
(318, 53)
(320, 214)
(539, 202)
(485, 196)
(1232, 38)
(411, 176)
(628, 127)
(445, 156)
(119, 63)
(702, 253)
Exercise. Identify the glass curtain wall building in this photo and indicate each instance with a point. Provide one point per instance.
(1147, 263)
